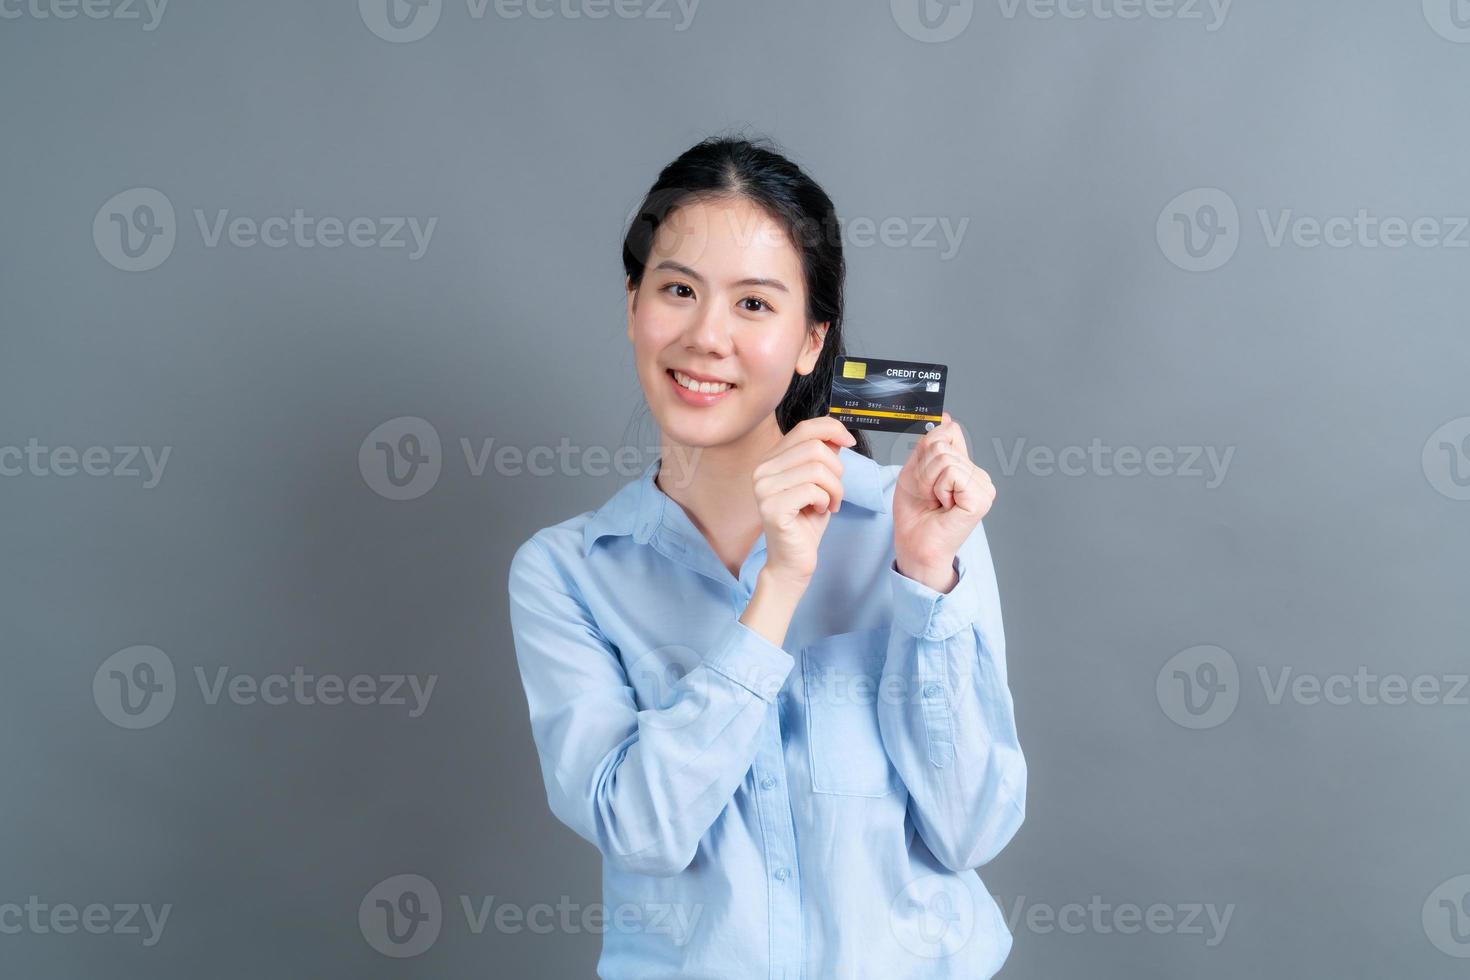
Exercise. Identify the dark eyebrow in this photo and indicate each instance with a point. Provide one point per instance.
(685, 270)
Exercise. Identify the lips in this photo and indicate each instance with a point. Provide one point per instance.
(705, 392)
(690, 378)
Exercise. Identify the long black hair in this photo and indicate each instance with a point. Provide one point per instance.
(754, 169)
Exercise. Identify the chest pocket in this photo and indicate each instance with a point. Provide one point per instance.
(840, 675)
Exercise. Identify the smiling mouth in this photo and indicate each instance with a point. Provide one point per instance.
(692, 386)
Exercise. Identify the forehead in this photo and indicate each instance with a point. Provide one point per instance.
(727, 238)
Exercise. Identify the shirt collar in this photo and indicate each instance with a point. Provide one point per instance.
(637, 508)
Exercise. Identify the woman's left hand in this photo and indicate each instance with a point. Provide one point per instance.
(940, 496)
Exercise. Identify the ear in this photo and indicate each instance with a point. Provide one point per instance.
(815, 337)
(632, 305)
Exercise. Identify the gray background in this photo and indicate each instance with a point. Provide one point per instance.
(1331, 544)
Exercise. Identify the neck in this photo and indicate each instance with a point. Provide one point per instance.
(715, 484)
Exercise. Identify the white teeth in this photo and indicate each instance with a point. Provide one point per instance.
(703, 387)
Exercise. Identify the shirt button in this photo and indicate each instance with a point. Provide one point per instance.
(781, 874)
(767, 783)
(931, 691)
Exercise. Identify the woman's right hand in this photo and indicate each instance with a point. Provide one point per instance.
(798, 486)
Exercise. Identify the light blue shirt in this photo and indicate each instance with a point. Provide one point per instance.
(812, 810)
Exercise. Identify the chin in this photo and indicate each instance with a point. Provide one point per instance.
(696, 436)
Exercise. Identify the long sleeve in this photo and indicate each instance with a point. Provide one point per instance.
(643, 786)
(952, 735)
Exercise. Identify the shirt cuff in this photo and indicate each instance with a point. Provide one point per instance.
(750, 660)
(931, 615)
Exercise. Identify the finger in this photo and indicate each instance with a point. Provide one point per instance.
(930, 461)
(949, 431)
(825, 428)
(794, 500)
(809, 451)
(967, 487)
(944, 473)
(776, 482)
(948, 484)
(813, 436)
(810, 472)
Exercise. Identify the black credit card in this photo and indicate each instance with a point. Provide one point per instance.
(888, 396)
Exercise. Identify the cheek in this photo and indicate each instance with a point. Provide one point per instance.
(768, 358)
(653, 329)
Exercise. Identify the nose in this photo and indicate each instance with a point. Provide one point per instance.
(707, 332)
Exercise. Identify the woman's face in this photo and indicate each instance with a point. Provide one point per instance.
(722, 300)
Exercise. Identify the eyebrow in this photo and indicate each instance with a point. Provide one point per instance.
(772, 283)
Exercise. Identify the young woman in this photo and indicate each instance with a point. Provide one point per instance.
(767, 679)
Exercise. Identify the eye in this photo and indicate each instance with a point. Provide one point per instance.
(679, 285)
(756, 299)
